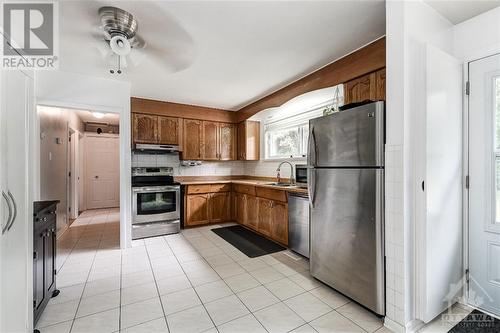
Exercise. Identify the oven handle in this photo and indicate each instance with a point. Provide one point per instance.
(155, 189)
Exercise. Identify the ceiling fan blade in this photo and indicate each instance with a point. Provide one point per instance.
(137, 56)
(99, 33)
(137, 42)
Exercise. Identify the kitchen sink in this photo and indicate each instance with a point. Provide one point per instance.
(280, 184)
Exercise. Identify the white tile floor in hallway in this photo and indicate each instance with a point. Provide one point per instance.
(189, 282)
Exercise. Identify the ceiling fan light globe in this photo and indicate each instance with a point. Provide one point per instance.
(120, 45)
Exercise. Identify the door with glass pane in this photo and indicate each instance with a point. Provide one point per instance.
(484, 189)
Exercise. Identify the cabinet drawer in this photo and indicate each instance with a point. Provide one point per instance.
(193, 189)
(220, 187)
(272, 194)
(245, 189)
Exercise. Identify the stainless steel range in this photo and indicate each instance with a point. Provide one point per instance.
(155, 202)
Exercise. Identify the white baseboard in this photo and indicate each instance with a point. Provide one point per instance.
(394, 326)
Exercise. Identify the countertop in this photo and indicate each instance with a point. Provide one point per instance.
(38, 206)
(252, 182)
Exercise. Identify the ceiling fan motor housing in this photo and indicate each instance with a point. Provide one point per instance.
(117, 22)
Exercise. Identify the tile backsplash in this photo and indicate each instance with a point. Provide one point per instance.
(250, 168)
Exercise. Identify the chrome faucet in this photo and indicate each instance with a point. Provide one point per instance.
(292, 180)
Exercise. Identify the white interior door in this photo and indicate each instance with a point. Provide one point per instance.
(102, 171)
(16, 236)
(484, 190)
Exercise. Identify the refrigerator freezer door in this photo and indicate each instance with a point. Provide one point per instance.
(347, 248)
(350, 138)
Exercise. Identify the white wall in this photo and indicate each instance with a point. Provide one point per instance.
(65, 89)
(477, 37)
(53, 181)
(409, 26)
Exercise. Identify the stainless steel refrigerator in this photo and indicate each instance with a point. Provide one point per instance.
(346, 193)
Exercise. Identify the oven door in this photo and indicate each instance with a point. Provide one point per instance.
(155, 203)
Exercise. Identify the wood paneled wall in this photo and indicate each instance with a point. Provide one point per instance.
(169, 109)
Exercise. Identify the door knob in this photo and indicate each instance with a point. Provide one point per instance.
(96, 177)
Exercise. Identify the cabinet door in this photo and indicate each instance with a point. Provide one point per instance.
(239, 207)
(210, 140)
(145, 128)
(265, 216)
(38, 268)
(242, 141)
(249, 141)
(279, 222)
(219, 207)
(49, 258)
(168, 130)
(380, 85)
(252, 209)
(227, 142)
(196, 209)
(360, 89)
(192, 139)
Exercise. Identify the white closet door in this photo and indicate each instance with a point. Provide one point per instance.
(15, 270)
(439, 190)
(102, 171)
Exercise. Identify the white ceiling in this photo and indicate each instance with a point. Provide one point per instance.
(457, 11)
(88, 116)
(223, 54)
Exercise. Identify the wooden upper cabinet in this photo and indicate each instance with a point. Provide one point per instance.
(367, 87)
(360, 89)
(249, 141)
(380, 85)
(145, 128)
(210, 141)
(192, 140)
(168, 130)
(227, 142)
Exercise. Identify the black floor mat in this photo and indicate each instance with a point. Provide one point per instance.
(248, 242)
(477, 322)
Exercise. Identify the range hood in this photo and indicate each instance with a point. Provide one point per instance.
(158, 149)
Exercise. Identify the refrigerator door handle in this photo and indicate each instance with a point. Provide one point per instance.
(311, 186)
(311, 156)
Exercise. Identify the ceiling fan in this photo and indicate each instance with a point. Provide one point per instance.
(119, 30)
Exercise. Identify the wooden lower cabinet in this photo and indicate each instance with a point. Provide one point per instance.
(252, 211)
(265, 216)
(197, 209)
(206, 204)
(279, 222)
(219, 207)
(240, 208)
(260, 209)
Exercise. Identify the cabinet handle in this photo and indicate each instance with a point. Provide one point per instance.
(4, 229)
(15, 210)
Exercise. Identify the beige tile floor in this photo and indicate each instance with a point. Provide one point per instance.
(189, 282)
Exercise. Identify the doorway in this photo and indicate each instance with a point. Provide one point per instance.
(79, 161)
(484, 184)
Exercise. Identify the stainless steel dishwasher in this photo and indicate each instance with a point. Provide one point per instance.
(298, 223)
